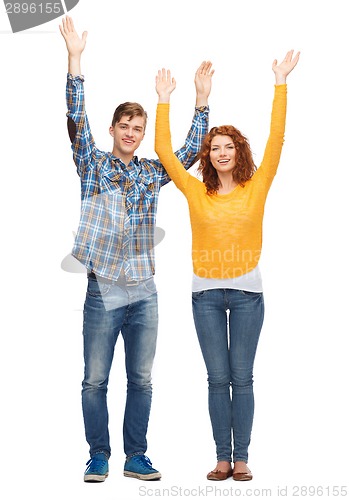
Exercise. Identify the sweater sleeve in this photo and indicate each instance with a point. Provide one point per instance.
(275, 142)
(163, 148)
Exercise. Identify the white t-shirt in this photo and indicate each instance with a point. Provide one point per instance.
(250, 282)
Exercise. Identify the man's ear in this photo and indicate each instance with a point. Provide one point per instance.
(111, 131)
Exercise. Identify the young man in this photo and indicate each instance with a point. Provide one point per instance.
(115, 242)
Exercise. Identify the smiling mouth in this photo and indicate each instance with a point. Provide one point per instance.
(129, 142)
(223, 161)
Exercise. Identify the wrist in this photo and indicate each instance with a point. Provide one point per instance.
(74, 64)
(201, 100)
(74, 57)
(164, 99)
(280, 79)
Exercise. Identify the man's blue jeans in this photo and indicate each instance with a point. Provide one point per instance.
(228, 343)
(111, 309)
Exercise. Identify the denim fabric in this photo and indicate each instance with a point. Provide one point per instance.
(111, 309)
(228, 324)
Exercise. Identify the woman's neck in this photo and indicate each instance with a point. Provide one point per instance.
(226, 183)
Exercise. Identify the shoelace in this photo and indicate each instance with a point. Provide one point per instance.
(96, 465)
(144, 461)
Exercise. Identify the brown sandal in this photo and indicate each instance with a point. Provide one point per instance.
(218, 475)
(242, 476)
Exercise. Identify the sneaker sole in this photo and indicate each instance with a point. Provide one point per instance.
(95, 478)
(144, 477)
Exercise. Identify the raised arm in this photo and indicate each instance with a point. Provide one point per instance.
(187, 154)
(275, 142)
(78, 127)
(165, 85)
(283, 69)
(75, 45)
(203, 83)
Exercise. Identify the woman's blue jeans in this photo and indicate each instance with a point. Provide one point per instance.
(228, 324)
(111, 309)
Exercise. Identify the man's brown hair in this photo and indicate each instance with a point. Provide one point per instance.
(130, 109)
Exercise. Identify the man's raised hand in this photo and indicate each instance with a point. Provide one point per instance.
(75, 44)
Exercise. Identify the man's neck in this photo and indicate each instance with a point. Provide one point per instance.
(126, 159)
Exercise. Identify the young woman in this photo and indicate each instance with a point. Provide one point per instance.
(226, 212)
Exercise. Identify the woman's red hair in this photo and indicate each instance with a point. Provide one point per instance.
(244, 167)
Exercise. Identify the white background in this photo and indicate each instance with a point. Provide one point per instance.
(300, 435)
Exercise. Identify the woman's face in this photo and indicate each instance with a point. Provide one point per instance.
(222, 153)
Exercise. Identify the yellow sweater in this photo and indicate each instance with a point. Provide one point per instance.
(226, 228)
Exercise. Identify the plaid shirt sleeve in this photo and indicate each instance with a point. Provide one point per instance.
(187, 155)
(83, 144)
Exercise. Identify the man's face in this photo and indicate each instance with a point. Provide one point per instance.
(128, 133)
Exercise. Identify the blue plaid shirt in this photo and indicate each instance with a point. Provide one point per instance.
(118, 201)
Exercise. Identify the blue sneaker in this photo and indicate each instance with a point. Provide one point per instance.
(97, 469)
(140, 467)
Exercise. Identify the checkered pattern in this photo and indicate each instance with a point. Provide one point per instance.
(118, 201)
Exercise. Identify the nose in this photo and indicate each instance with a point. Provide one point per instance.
(129, 132)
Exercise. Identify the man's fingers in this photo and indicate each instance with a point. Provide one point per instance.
(208, 67)
(70, 23)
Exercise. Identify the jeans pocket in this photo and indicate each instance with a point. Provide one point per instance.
(199, 294)
(252, 294)
(96, 288)
(150, 286)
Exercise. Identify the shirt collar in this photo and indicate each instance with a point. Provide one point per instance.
(134, 161)
(132, 169)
